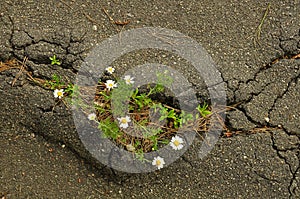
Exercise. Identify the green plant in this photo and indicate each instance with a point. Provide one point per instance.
(110, 129)
(140, 155)
(138, 131)
(54, 60)
(54, 83)
(57, 83)
(187, 117)
(203, 110)
(71, 89)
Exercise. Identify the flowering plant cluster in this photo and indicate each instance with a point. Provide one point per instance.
(130, 127)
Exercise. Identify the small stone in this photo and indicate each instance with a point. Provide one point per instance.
(95, 28)
(267, 119)
(130, 15)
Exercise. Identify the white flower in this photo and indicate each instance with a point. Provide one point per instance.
(176, 142)
(110, 70)
(130, 147)
(128, 79)
(58, 93)
(159, 162)
(110, 84)
(92, 116)
(124, 121)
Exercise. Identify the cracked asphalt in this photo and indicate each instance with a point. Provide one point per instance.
(41, 154)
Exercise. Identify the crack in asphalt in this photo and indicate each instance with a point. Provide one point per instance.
(242, 107)
(10, 40)
(263, 176)
(293, 80)
(67, 48)
(188, 161)
(286, 162)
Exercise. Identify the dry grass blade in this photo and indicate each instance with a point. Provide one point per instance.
(4, 66)
(296, 56)
(22, 68)
(259, 27)
(10, 64)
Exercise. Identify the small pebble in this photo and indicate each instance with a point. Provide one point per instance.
(130, 15)
(95, 28)
(267, 119)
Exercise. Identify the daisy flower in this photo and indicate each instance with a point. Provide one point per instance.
(110, 84)
(58, 93)
(92, 116)
(130, 147)
(128, 79)
(176, 142)
(110, 70)
(124, 121)
(159, 162)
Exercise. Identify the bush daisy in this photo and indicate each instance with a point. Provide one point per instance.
(92, 116)
(110, 84)
(124, 121)
(159, 162)
(58, 93)
(128, 79)
(176, 142)
(110, 70)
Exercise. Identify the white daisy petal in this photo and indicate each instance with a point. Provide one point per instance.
(128, 79)
(158, 162)
(58, 93)
(110, 84)
(124, 121)
(176, 142)
(92, 116)
(110, 70)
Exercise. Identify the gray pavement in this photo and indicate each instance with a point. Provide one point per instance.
(262, 78)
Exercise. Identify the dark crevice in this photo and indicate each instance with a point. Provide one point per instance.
(291, 189)
(293, 80)
(286, 162)
(47, 110)
(249, 118)
(10, 40)
(187, 161)
(263, 176)
(27, 33)
(270, 64)
(254, 94)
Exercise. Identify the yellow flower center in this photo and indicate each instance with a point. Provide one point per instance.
(110, 85)
(176, 143)
(158, 162)
(123, 120)
(60, 94)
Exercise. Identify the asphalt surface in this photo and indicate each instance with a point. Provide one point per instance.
(42, 156)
